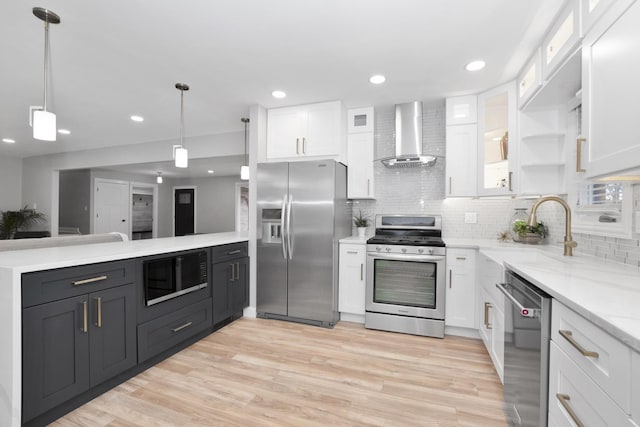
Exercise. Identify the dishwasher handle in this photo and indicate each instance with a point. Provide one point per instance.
(524, 311)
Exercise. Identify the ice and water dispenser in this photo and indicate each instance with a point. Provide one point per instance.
(271, 226)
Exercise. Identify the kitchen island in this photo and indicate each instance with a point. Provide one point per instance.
(14, 264)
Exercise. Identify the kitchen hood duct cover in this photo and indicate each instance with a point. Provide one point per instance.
(409, 138)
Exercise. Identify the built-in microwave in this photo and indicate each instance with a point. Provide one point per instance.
(174, 275)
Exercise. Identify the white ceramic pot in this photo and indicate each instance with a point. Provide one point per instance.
(362, 231)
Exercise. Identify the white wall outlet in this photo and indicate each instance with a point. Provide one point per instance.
(470, 218)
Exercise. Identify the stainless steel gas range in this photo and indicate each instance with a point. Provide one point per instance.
(406, 275)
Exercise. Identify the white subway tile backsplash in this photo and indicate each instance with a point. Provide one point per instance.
(422, 191)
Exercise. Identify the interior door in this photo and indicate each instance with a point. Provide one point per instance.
(111, 207)
(185, 211)
(311, 189)
(272, 180)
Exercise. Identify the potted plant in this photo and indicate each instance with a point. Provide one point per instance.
(361, 221)
(12, 221)
(529, 234)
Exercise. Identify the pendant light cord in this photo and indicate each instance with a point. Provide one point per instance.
(182, 118)
(245, 120)
(46, 61)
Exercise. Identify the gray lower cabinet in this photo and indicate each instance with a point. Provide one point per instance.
(73, 344)
(230, 288)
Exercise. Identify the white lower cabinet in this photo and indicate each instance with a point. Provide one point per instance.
(351, 287)
(490, 305)
(635, 387)
(460, 299)
(591, 378)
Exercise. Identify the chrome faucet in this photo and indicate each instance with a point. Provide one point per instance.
(569, 244)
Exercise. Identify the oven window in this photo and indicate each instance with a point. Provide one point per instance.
(408, 283)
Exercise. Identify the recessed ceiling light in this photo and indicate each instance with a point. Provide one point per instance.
(377, 79)
(475, 65)
(137, 118)
(209, 171)
(278, 94)
(9, 140)
(64, 131)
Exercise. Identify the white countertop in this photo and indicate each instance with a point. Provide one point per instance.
(66, 256)
(606, 293)
(356, 240)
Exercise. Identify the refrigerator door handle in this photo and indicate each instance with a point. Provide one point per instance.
(283, 231)
(289, 245)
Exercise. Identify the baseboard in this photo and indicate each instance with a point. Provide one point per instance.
(354, 318)
(249, 312)
(461, 332)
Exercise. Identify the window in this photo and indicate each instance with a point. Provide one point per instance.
(604, 209)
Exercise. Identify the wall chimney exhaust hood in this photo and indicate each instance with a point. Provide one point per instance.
(409, 138)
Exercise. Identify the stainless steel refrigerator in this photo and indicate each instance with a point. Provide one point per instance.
(302, 213)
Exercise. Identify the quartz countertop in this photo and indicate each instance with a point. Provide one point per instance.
(356, 240)
(605, 292)
(66, 256)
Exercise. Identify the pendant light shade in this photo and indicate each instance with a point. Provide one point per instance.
(180, 154)
(244, 170)
(44, 121)
(44, 125)
(159, 178)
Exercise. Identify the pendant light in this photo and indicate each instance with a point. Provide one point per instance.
(44, 122)
(244, 170)
(180, 154)
(159, 178)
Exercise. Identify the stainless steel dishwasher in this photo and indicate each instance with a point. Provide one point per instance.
(526, 351)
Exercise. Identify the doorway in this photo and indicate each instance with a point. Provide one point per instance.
(242, 206)
(184, 211)
(144, 211)
(111, 200)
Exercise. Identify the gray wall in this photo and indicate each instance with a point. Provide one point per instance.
(75, 200)
(10, 183)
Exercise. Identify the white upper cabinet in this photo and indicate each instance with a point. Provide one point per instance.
(497, 133)
(592, 10)
(609, 95)
(314, 130)
(461, 110)
(360, 152)
(360, 120)
(461, 160)
(530, 80)
(562, 39)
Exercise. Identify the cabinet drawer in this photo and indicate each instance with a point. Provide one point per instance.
(489, 273)
(587, 402)
(52, 285)
(463, 258)
(161, 334)
(609, 364)
(226, 252)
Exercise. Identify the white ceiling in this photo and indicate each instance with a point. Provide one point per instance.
(112, 59)
(198, 168)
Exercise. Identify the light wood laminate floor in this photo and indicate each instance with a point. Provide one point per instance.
(257, 372)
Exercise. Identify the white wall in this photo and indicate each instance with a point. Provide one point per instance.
(40, 173)
(10, 183)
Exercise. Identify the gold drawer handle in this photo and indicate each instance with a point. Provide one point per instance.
(564, 401)
(91, 280)
(179, 328)
(568, 335)
(579, 167)
(487, 306)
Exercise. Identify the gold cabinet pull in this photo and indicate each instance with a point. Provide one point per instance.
(361, 272)
(450, 185)
(368, 187)
(233, 272)
(237, 251)
(510, 181)
(564, 401)
(568, 335)
(99, 323)
(85, 327)
(450, 277)
(179, 328)
(297, 145)
(461, 258)
(237, 271)
(304, 151)
(487, 306)
(579, 142)
(90, 280)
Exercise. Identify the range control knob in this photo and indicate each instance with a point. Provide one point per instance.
(404, 250)
(388, 249)
(430, 251)
(420, 250)
(378, 248)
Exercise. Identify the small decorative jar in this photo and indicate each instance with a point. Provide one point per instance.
(519, 214)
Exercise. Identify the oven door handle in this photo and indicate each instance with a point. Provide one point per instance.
(406, 257)
(524, 311)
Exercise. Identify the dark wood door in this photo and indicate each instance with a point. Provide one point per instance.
(240, 286)
(55, 354)
(184, 200)
(112, 335)
(221, 276)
